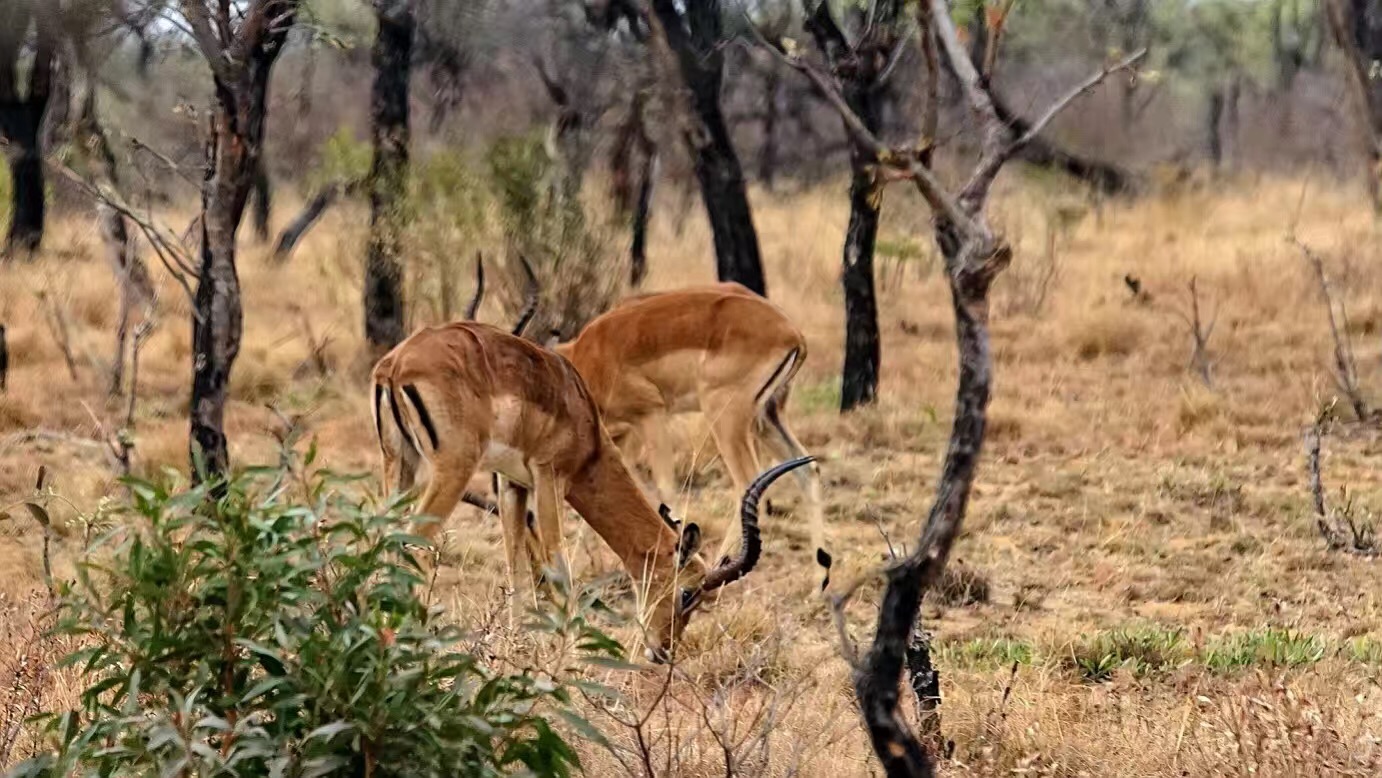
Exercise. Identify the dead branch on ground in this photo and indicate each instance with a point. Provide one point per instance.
(1345, 366)
(1339, 527)
(1200, 333)
(55, 317)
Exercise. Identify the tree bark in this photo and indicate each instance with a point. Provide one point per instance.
(21, 120)
(263, 201)
(235, 142)
(859, 382)
(642, 214)
(1213, 127)
(768, 156)
(392, 59)
(695, 39)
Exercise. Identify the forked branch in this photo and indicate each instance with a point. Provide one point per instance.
(1345, 366)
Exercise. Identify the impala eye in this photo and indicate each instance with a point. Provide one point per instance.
(689, 599)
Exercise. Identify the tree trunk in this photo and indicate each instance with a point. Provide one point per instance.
(233, 157)
(1213, 125)
(767, 158)
(263, 201)
(642, 213)
(21, 120)
(392, 58)
(21, 128)
(695, 39)
(859, 385)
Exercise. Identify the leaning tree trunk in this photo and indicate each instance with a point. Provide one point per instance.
(392, 58)
(859, 384)
(263, 201)
(695, 39)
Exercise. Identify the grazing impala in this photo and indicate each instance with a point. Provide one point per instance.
(467, 396)
(720, 349)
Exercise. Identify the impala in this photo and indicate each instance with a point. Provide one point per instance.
(720, 349)
(468, 397)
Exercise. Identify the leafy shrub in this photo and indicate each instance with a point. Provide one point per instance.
(544, 220)
(1273, 646)
(450, 208)
(1142, 650)
(252, 634)
(342, 158)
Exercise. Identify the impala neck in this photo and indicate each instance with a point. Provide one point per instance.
(612, 504)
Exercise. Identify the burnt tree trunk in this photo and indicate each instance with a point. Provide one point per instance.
(859, 381)
(1214, 127)
(768, 156)
(21, 128)
(21, 119)
(860, 70)
(240, 69)
(263, 201)
(392, 59)
(695, 39)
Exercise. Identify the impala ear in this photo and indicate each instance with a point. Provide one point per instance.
(553, 338)
(690, 543)
(666, 514)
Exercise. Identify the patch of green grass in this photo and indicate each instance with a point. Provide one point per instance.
(1142, 650)
(1273, 647)
(986, 653)
(819, 397)
(1365, 650)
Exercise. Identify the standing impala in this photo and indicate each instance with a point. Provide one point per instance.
(467, 396)
(720, 349)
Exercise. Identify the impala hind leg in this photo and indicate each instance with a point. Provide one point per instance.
(731, 424)
(785, 445)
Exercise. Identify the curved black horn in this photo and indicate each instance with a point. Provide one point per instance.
(474, 306)
(751, 546)
(530, 294)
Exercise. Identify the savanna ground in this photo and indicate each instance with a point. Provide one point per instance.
(1143, 549)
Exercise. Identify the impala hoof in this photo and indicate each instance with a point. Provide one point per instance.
(657, 656)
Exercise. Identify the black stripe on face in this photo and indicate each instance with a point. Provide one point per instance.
(422, 414)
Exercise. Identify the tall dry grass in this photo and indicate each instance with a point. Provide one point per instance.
(1116, 490)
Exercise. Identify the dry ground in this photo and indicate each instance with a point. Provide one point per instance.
(1154, 575)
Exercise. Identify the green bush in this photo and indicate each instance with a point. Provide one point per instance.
(450, 209)
(544, 220)
(342, 158)
(253, 634)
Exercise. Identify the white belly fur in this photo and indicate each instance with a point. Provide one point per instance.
(507, 461)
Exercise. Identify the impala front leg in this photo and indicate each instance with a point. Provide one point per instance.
(545, 547)
(513, 520)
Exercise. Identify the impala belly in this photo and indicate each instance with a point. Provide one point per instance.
(501, 455)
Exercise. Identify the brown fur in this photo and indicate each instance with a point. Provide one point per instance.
(500, 403)
(720, 349)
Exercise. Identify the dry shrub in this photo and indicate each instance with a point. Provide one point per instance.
(1107, 333)
(28, 659)
(961, 585)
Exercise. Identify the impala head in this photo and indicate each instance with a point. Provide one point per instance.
(695, 582)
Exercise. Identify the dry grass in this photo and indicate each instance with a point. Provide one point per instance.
(1115, 490)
